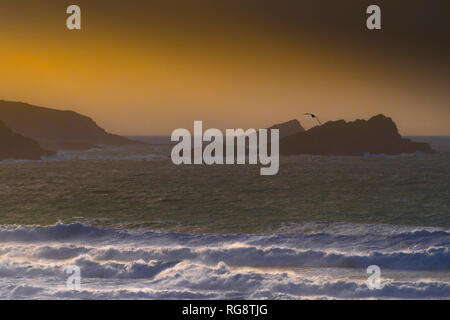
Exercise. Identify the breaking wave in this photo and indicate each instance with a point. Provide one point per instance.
(313, 260)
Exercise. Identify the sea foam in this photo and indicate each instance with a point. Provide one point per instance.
(315, 261)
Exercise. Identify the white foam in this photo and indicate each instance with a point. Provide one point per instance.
(327, 261)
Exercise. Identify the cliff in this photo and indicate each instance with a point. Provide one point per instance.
(57, 129)
(16, 146)
(378, 135)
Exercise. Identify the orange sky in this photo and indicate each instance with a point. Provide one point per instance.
(150, 70)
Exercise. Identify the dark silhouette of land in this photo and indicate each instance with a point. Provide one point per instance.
(56, 129)
(285, 129)
(27, 132)
(288, 128)
(16, 146)
(378, 135)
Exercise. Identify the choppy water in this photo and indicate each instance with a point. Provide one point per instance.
(140, 227)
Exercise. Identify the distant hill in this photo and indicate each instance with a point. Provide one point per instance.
(57, 129)
(378, 135)
(16, 146)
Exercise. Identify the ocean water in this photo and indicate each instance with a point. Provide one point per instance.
(138, 226)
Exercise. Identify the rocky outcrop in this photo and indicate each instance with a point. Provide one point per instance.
(378, 135)
(288, 128)
(16, 146)
(57, 129)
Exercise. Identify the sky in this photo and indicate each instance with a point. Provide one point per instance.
(149, 67)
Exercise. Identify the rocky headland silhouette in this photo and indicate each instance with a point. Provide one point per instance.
(378, 135)
(57, 129)
(16, 146)
(28, 132)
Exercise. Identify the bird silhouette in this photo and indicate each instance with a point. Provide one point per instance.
(313, 116)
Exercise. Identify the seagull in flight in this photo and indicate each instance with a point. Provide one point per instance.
(313, 116)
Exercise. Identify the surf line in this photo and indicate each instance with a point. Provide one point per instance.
(213, 152)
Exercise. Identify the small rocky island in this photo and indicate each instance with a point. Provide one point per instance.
(378, 135)
(16, 146)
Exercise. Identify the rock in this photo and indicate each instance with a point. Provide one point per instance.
(16, 146)
(378, 135)
(288, 128)
(56, 129)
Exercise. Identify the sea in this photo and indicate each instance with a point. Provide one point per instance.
(136, 226)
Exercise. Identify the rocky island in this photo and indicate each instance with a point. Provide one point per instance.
(378, 135)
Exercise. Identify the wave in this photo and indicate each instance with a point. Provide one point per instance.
(383, 155)
(196, 281)
(307, 235)
(98, 154)
(316, 261)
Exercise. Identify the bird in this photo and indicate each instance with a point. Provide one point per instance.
(313, 116)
